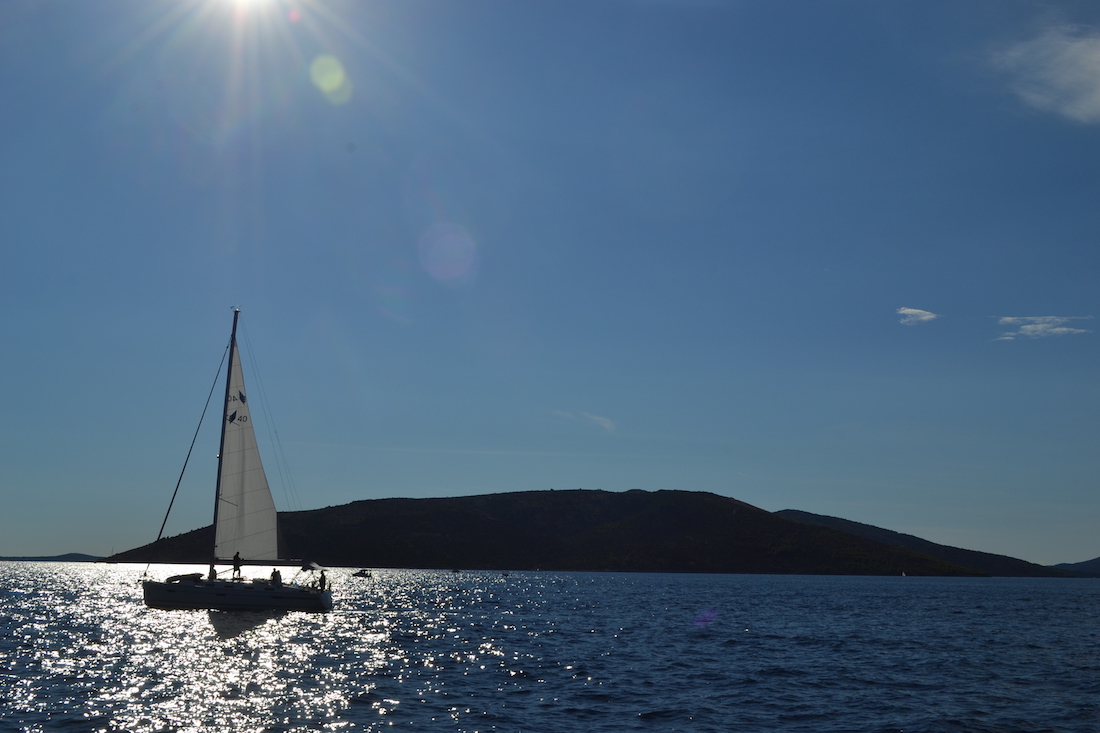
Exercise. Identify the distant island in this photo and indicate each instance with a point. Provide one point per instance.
(1086, 569)
(70, 557)
(591, 530)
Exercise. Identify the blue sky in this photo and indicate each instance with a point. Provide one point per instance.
(839, 257)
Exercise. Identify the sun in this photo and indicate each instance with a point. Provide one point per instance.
(252, 3)
(254, 8)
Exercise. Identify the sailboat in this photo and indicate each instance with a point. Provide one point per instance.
(245, 526)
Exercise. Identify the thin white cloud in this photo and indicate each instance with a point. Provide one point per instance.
(913, 316)
(604, 422)
(1058, 72)
(1039, 326)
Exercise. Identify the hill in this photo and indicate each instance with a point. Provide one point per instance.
(984, 562)
(663, 531)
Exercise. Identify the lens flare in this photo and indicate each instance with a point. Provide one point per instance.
(328, 75)
(447, 253)
(705, 618)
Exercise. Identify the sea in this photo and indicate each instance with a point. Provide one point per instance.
(551, 652)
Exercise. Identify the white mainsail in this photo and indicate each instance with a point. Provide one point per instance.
(245, 514)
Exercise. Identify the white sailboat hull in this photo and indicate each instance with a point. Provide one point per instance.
(230, 595)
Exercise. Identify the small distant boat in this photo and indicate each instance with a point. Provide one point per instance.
(245, 526)
(361, 573)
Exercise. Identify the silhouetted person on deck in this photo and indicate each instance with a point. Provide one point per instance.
(322, 581)
(236, 566)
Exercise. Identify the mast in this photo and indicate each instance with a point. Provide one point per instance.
(221, 441)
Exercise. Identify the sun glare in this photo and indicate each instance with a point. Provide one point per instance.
(238, 70)
(254, 8)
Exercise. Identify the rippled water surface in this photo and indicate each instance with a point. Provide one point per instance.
(548, 652)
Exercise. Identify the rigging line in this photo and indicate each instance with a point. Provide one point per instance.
(188, 458)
